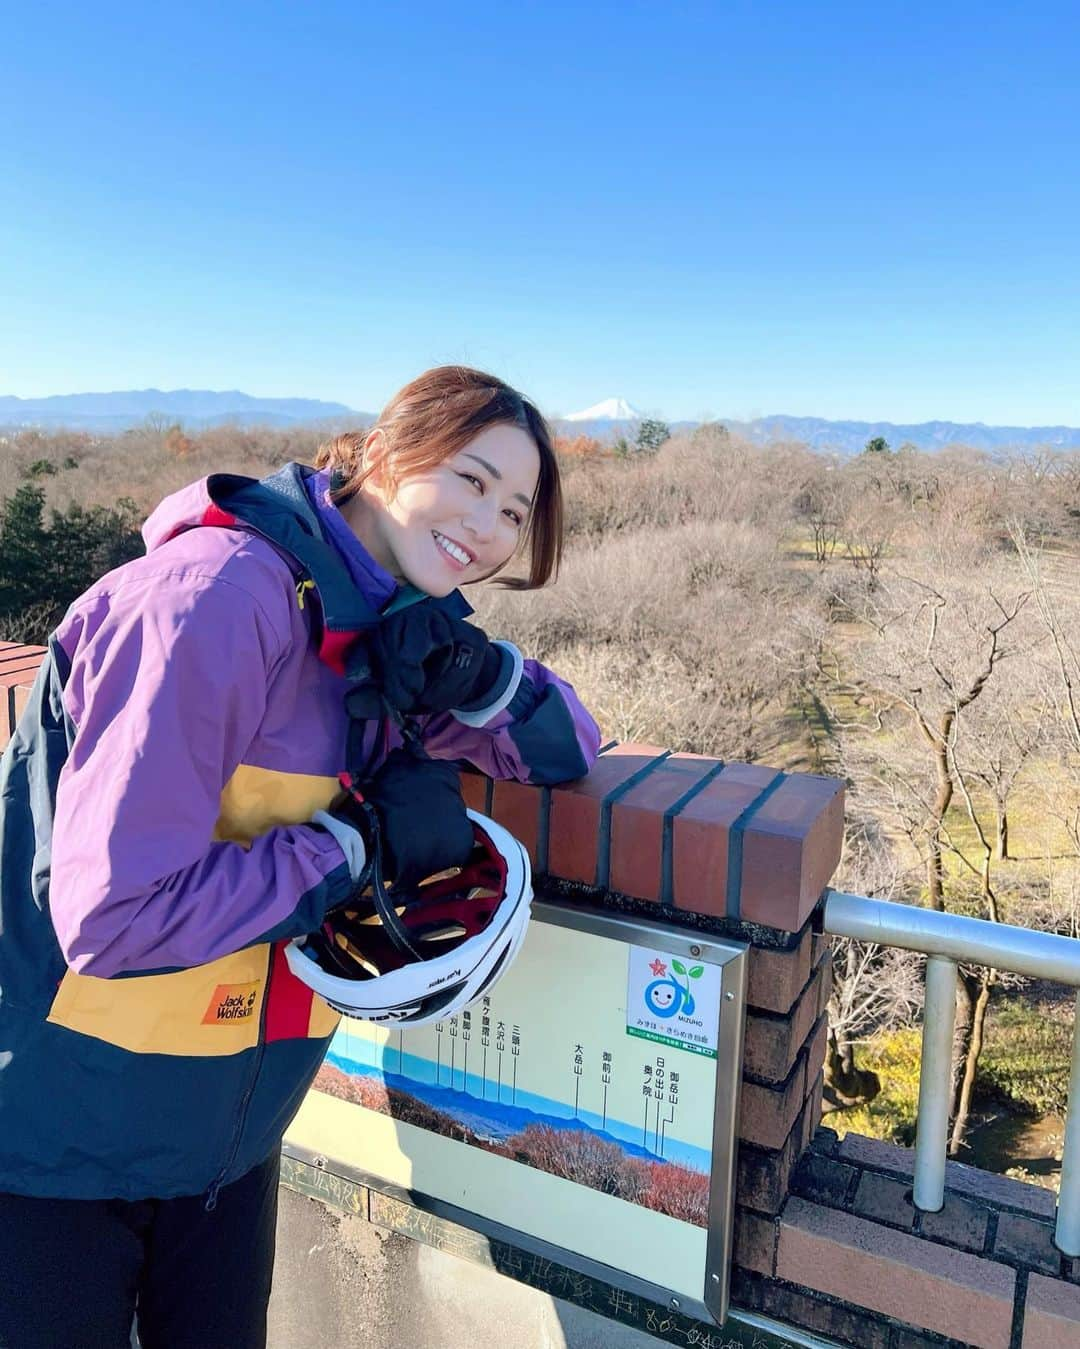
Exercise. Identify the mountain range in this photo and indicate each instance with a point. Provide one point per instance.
(616, 417)
(106, 412)
(849, 437)
(192, 407)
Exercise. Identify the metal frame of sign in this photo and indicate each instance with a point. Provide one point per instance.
(730, 957)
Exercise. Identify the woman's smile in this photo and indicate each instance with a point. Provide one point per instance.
(455, 553)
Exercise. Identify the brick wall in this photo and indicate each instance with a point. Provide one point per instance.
(848, 1255)
(682, 833)
(18, 666)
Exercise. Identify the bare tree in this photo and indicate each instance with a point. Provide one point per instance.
(874, 987)
(934, 640)
(1010, 725)
(1050, 610)
(866, 531)
(821, 502)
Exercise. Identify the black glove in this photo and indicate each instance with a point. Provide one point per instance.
(424, 661)
(419, 816)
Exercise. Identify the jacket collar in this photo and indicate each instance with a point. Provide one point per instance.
(279, 509)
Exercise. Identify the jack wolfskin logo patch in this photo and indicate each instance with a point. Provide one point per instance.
(231, 1002)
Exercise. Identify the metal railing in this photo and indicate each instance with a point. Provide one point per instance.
(948, 939)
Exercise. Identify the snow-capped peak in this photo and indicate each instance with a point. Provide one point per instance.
(610, 410)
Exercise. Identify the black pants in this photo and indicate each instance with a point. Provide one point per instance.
(74, 1273)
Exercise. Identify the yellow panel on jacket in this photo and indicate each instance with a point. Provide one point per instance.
(207, 1010)
(256, 799)
(212, 1009)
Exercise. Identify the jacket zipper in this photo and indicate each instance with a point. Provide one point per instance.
(245, 1100)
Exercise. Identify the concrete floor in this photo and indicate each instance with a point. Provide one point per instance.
(340, 1283)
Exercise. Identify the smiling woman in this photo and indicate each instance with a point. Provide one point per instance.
(193, 724)
(457, 477)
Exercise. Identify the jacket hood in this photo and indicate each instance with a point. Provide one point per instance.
(279, 509)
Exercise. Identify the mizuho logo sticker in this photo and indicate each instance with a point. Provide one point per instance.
(673, 1001)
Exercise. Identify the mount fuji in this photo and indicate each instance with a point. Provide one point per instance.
(610, 410)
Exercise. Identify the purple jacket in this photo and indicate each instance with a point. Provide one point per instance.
(208, 731)
(158, 853)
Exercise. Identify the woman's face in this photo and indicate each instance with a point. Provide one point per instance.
(456, 522)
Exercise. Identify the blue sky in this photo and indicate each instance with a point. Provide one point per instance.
(730, 209)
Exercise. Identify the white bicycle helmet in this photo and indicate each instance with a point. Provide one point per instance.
(409, 959)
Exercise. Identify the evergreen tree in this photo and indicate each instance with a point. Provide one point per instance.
(43, 567)
(652, 434)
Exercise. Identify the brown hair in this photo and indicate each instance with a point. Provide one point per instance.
(430, 419)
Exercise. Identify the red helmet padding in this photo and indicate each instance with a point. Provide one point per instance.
(428, 909)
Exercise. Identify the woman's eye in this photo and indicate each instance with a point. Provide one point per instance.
(514, 517)
(471, 477)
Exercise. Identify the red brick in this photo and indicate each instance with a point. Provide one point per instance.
(762, 1176)
(16, 653)
(1021, 1241)
(883, 1199)
(577, 808)
(967, 1180)
(474, 789)
(815, 1050)
(767, 1115)
(905, 1338)
(516, 806)
(15, 689)
(700, 837)
(825, 991)
(20, 673)
(933, 1287)
(20, 697)
(791, 847)
(772, 1042)
(1004, 1190)
(813, 1106)
(776, 978)
(874, 1152)
(637, 823)
(836, 1323)
(1051, 1315)
(17, 675)
(959, 1222)
(755, 1242)
(824, 1180)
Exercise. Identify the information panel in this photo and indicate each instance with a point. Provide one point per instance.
(587, 1105)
